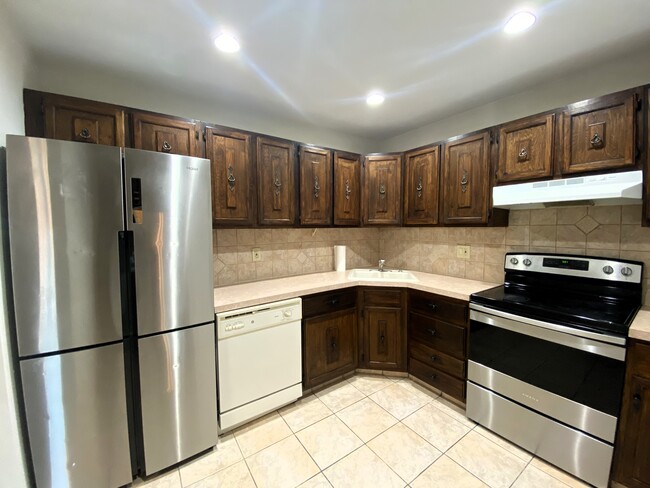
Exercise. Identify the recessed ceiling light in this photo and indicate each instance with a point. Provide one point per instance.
(226, 43)
(375, 98)
(519, 22)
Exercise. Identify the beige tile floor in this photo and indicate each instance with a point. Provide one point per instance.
(368, 431)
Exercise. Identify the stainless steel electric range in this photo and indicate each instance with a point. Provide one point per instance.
(547, 356)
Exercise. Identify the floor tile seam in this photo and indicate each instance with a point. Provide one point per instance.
(399, 420)
(353, 403)
(552, 476)
(320, 470)
(456, 442)
(445, 414)
(516, 455)
(421, 437)
(314, 423)
(422, 393)
(250, 473)
(380, 433)
(464, 469)
(520, 473)
(180, 474)
(272, 444)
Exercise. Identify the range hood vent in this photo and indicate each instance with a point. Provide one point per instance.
(610, 189)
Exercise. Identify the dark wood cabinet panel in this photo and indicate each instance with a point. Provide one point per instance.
(439, 307)
(384, 337)
(465, 181)
(436, 359)
(439, 335)
(444, 382)
(600, 134)
(276, 182)
(164, 134)
(526, 149)
(632, 452)
(73, 119)
(382, 189)
(315, 186)
(422, 186)
(329, 350)
(323, 303)
(233, 176)
(347, 188)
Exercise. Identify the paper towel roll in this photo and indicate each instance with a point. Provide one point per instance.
(339, 258)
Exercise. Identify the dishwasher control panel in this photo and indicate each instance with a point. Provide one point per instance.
(259, 317)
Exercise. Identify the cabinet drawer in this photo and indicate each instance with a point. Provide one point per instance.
(436, 378)
(313, 305)
(382, 298)
(447, 309)
(439, 335)
(436, 359)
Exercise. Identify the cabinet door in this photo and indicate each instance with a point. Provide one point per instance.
(347, 189)
(465, 167)
(526, 149)
(276, 182)
(599, 135)
(383, 190)
(384, 348)
(72, 119)
(330, 345)
(233, 176)
(164, 134)
(315, 186)
(421, 189)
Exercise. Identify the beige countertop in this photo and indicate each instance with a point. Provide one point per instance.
(640, 328)
(232, 297)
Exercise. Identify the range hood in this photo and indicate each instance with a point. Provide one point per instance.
(610, 189)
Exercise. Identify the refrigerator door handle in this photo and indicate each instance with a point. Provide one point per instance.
(127, 282)
(136, 200)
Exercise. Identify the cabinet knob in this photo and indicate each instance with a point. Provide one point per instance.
(636, 398)
(419, 187)
(333, 345)
(434, 376)
(382, 339)
(231, 178)
(316, 187)
(463, 182)
(166, 146)
(434, 358)
(596, 140)
(85, 133)
(431, 306)
(334, 301)
(432, 331)
(347, 189)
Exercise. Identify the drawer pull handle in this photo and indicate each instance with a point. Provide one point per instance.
(431, 306)
(382, 339)
(333, 345)
(85, 133)
(434, 376)
(334, 301)
(637, 399)
(596, 141)
(434, 358)
(432, 331)
(166, 146)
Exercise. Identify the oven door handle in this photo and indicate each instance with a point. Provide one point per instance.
(550, 335)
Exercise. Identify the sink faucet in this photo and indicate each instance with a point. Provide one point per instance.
(382, 262)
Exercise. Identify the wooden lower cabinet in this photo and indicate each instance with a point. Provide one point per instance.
(437, 330)
(382, 333)
(329, 336)
(632, 453)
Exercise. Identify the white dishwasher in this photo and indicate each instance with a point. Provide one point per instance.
(259, 360)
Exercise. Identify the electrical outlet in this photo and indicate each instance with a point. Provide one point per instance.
(257, 254)
(462, 252)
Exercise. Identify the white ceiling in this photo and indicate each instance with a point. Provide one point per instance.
(315, 60)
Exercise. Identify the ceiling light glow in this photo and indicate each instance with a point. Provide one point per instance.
(519, 22)
(375, 98)
(226, 43)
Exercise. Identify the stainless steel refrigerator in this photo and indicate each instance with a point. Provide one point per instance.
(111, 267)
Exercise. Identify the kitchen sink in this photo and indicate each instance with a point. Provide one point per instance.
(386, 275)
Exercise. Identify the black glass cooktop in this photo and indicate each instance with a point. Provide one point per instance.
(588, 308)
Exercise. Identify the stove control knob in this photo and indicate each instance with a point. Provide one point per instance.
(626, 271)
(514, 261)
(527, 262)
(608, 270)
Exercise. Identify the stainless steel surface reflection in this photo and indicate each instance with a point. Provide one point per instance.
(179, 404)
(65, 210)
(173, 239)
(75, 405)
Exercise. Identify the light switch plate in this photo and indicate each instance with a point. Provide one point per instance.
(462, 252)
(257, 254)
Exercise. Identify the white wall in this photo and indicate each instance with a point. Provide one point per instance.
(14, 62)
(86, 81)
(626, 72)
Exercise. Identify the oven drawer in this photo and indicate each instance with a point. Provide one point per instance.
(442, 308)
(436, 359)
(436, 378)
(323, 303)
(442, 336)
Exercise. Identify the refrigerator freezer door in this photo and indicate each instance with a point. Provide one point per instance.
(75, 404)
(169, 212)
(65, 211)
(179, 398)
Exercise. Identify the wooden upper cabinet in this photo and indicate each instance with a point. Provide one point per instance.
(465, 182)
(276, 182)
(347, 189)
(526, 149)
(382, 189)
(315, 186)
(600, 134)
(233, 176)
(164, 134)
(422, 186)
(73, 119)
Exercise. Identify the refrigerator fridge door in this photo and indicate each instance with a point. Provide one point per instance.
(65, 211)
(178, 394)
(169, 212)
(75, 404)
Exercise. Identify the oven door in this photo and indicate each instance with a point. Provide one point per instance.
(563, 373)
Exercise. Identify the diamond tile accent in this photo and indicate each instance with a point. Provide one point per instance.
(587, 224)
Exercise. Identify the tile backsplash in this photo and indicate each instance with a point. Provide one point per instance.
(598, 231)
